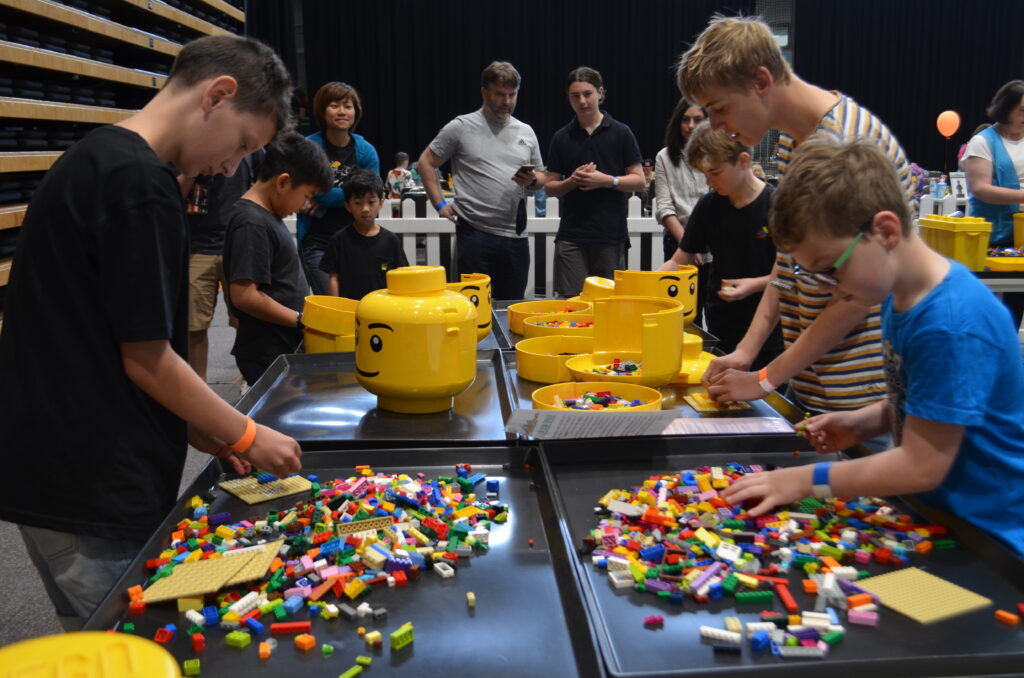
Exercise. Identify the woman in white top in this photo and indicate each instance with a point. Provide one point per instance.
(677, 186)
(994, 164)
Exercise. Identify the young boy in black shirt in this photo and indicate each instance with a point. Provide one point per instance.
(360, 255)
(732, 222)
(265, 280)
(98, 400)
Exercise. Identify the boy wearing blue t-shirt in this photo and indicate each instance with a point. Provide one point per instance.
(953, 362)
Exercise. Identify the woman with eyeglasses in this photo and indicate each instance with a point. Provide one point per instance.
(337, 109)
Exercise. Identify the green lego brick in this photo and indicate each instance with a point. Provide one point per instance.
(328, 650)
(352, 672)
(363, 660)
(730, 583)
(191, 667)
(755, 597)
(238, 639)
(944, 544)
(128, 627)
(833, 637)
(402, 636)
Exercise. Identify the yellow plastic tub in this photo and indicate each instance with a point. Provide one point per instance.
(477, 288)
(544, 397)
(330, 324)
(679, 285)
(595, 287)
(1004, 264)
(517, 313)
(647, 328)
(964, 239)
(542, 359)
(531, 328)
(88, 653)
(1018, 230)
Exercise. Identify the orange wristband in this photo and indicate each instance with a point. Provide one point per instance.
(762, 378)
(245, 442)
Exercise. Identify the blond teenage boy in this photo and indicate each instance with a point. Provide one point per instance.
(957, 421)
(833, 361)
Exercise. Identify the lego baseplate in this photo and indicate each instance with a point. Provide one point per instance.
(209, 576)
(921, 596)
(251, 491)
(703, 403)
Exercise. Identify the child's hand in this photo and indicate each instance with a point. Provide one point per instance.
(274, 452)
(774, 488)
(207, 444)
(733, 385)
(830, 432)
(736, 360)
(736, 289)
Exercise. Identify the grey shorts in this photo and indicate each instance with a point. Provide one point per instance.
(574, 263)
(77, 571)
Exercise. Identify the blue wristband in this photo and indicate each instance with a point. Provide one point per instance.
(440, 205)
(821, 486)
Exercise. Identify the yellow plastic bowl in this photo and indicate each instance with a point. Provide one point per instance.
(531, 328)
(542, 359)
(544, 397)
(582, 369)
(88, 653)
(1004, 263)
(330, 315)
(517, 313)
(321, 342)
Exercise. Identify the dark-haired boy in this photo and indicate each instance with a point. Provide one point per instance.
(359, 256)
(265, 280)
(98, 400)
(958, 422)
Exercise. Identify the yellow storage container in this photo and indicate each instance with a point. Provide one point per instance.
(330, 324)
(1005, 264)
(1018, 230)
(88, 653)
(544, 397)
(542, 359)
(517, 313)
(964, 239)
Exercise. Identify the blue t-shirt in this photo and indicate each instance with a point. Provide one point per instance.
(954, 357)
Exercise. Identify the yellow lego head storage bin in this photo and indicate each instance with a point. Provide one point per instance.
(964, 239)
(595, 287)
(517, 313)
(543, 359)
(555, 396)
(678, 285)
(559, 324)
(477, 288)
(415, 342)
(88, 653)
(330, 324)
(1018, 230)
(646, 332)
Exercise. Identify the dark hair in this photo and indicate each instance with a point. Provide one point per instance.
(331, 92)
(301, 159)
(674, 140)
(401, 156)
(500, 73)
(1005, 100)
(361, 183)
(264, 85)
(585, 74)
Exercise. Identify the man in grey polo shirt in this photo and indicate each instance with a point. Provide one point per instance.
(496, 161)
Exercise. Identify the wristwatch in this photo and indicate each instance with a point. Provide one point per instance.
(298, 321)
(615, 182)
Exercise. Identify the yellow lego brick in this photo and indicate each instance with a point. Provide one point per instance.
(705, 507)
(195, 502)
(704, 482)
(354, 588)
(467, 511)
(420, 538)
(185, 604)
(692, 575)
(734, 624)
(607, 498)
(194, 556)
(746, 580)
(231, 616)
(720, 484)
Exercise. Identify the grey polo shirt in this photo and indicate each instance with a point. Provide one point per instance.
(485, 155)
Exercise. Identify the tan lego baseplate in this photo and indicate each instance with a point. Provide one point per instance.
(345, 529)
(703, 403)
(210, 576)
(251, 491)
(922, 596)
(258, 563)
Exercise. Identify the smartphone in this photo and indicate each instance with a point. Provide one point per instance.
(523, 169)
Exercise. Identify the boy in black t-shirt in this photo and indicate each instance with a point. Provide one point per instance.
(732, 222)
(360, 255)
(265, 280)
(98, 400)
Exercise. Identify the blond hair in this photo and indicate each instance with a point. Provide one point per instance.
(727, 53)
(708, 148)
(834, 188)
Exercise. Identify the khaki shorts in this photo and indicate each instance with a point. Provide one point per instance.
(205, 276)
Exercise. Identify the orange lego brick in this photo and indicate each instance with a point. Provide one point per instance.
(1007, 617)
(305, 642)
(858, 599)
(810, 587)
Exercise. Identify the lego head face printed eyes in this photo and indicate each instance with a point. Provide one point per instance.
(377, 336)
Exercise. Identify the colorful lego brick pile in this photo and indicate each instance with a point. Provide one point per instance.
(676, 538)
(601, 400)
(623, 368)
(564, 323)
(345, 538)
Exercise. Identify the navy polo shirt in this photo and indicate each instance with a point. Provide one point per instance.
(597, 216)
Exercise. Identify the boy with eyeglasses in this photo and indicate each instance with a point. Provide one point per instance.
(833, 358)
(957, 421)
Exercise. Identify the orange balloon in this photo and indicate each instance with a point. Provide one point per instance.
(948, 123)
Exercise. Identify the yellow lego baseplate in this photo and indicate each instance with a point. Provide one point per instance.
(921, 596)
(345, 529)
(703, 403)
(210, 576)
(251, 491)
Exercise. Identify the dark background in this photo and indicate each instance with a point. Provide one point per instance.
(417, 65)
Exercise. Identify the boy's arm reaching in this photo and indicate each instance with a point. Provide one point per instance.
(246, 296)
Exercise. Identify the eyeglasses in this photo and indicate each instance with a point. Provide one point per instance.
(827, 276)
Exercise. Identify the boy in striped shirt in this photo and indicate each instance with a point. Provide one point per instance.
(833, 358)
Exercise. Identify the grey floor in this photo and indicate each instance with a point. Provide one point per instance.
(25, 610)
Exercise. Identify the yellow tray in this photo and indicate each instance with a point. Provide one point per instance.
(1004, 264)
(532, 329)
(542, 359)
(544, 397)
(517, 313)
(582, 367)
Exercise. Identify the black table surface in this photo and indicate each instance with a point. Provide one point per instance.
(973, 644)
(316, 399)
(524, 595)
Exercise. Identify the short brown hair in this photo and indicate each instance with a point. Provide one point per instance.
(500, 73)
(834, 188)
(727, 53)
(331, 92)
(1005, 100)
(708, 148)
(264, 85)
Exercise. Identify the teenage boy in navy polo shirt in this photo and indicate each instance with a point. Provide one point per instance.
(594, 163)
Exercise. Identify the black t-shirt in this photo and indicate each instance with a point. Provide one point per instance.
(206, 231)
(323, 228)
(362, 262)
(597, 216)
(258, 247)
(102, 259)
(741, 248)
